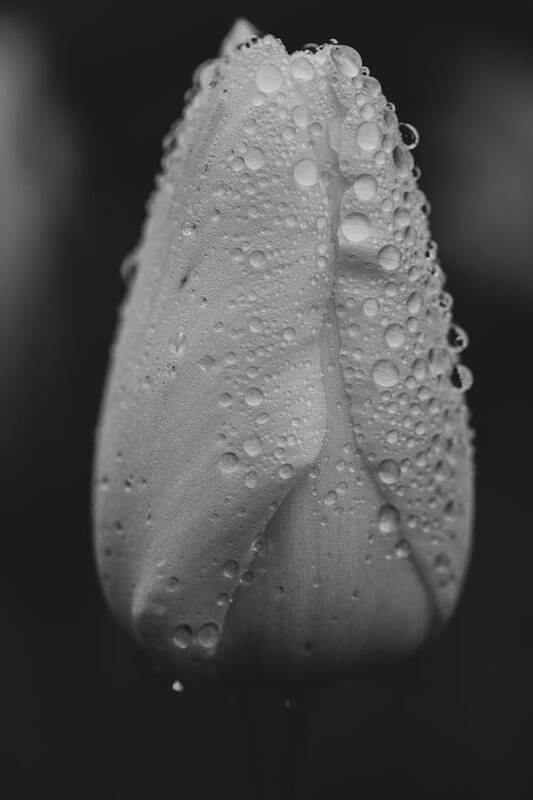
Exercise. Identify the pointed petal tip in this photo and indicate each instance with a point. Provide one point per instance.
(240, 31)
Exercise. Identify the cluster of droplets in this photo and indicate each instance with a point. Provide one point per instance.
(399, 347)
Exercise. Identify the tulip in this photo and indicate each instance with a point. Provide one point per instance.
(284, 460)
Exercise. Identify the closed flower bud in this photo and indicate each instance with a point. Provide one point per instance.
(284, 463)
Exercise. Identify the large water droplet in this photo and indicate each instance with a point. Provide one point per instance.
(385, 373)
(389, 258)
(368, 136)
(302, 69)
(388, 518)
(305, 172)
(268, 78)
(347, 60)
(365, 187)
(394, 336)
(388, 471)
(355, 227)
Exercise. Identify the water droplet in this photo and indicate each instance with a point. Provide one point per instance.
(257, 258)
(300, 116)
(365, 187)
(253, 396)
(403, 160)
(457, 338)
(228, 462)
(230, 569)
(394, 336)
(182, 637)
(250, 479)
(254, 158)
(252, 446)
(385, 373)
(409, 134)
(208, 635)
(414, 303)
(389, 258)
(268, 78)
(286, 471)
(370, 307)
(305, 172)
(403, 550)
(223, 600)
(388, 518)
(331, 498)
(368, 136)
(389, 471)
(302, 69)
(347, 60)
(355, 227)
(464, 379)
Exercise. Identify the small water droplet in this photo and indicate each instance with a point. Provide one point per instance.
(252, 446)
(286, 471)
(409, 134)
(403, 550)
(257, 258)
(228, 462)
(230, 569)
(253, 396)
(254, 158)
(182, 637)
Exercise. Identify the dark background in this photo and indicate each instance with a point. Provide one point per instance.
(92, 89)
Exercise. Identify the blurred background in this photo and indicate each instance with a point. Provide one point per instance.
(87, 92)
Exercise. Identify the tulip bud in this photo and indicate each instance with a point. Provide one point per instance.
(284, 463)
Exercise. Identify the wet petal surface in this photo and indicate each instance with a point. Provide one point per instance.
(284, 463)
